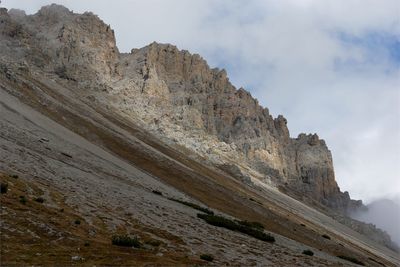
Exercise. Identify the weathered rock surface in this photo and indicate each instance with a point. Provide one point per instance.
(175, 93)
(203, 99)
(176, 96)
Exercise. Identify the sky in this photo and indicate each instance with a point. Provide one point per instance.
(330, 67)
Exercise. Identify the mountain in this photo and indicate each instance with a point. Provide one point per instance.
(135, 143)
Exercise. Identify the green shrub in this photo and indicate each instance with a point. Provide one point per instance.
(125, 241)
(14, 176)
(39, 199)
(351, 259)
(256, 225)
(192, 205)
(308, 252)
(3, 188)
(77, 221)
(23, 200)
(206, 257)
(256, 234)
(326, 237)
(86, 244)
(220, 221)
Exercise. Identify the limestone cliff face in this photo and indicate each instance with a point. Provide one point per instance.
(303, 164)
(76, 47)
(169, 88)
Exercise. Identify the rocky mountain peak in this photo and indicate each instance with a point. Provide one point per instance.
(160, 83)
(175, 97)
(74, 46)
(54, 13)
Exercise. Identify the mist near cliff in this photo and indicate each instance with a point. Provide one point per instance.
(385, 214)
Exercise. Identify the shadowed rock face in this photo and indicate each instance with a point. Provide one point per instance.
(161, 83)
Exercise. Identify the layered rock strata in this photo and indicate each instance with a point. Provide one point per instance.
(174, 94)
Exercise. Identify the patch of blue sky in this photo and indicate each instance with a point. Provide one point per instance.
(378, 48)
(240, 71)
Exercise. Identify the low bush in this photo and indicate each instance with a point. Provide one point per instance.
(220, 221)
(256, 225)
(22, 200)
(77, 221)
(351, 259)
(3, 188)
(192, 205)
(125, 241)
(14, 176)
(39, 199)
(308, 252)
(206, 257)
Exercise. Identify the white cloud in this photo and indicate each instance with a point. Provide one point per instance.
(320, 63)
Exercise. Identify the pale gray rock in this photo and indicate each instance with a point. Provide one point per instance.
(175, 95)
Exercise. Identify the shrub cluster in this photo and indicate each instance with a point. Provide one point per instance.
(351, 259)
(194, 206)
(39, 199)
(256, 225)
(125, 241)
(23, 200)
(220, 221)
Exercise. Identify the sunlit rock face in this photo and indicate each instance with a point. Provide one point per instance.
(176, 95)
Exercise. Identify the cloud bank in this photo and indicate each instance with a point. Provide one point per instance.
(385, 214)
(330, 67)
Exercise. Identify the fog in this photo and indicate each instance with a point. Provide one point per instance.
(385, 214)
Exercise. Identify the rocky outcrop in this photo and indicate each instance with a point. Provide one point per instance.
(75, 47)
(176, 95)
(205, 96)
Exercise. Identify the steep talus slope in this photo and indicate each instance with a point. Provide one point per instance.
(160, 93)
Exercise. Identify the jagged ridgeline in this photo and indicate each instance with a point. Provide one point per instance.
(166, 112)
(168, 88)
